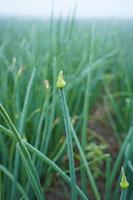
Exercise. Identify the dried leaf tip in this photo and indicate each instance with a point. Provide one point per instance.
(14, 60)
(46, 83)
(60, 82)
(124, 183)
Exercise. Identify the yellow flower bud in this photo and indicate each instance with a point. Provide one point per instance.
(60, 82)
(124, 183)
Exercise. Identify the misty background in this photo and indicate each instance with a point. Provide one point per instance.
(64, 8)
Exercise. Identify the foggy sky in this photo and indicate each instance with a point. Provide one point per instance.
(84, 8)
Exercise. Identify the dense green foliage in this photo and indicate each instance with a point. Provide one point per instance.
(96, 57)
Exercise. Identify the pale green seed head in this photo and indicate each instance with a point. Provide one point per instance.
(124, 183)
(60, 82)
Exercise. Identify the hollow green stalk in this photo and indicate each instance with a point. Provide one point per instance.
(10, 176)
(123, 195)
(51, 118)
(56, 168)
(28, 164)
(21, 132)
(86, 107)
(108, 172)
(84, 161)
(60, 86)
(1, 196)
(46, 160)
(83, 158)
(118, 161)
